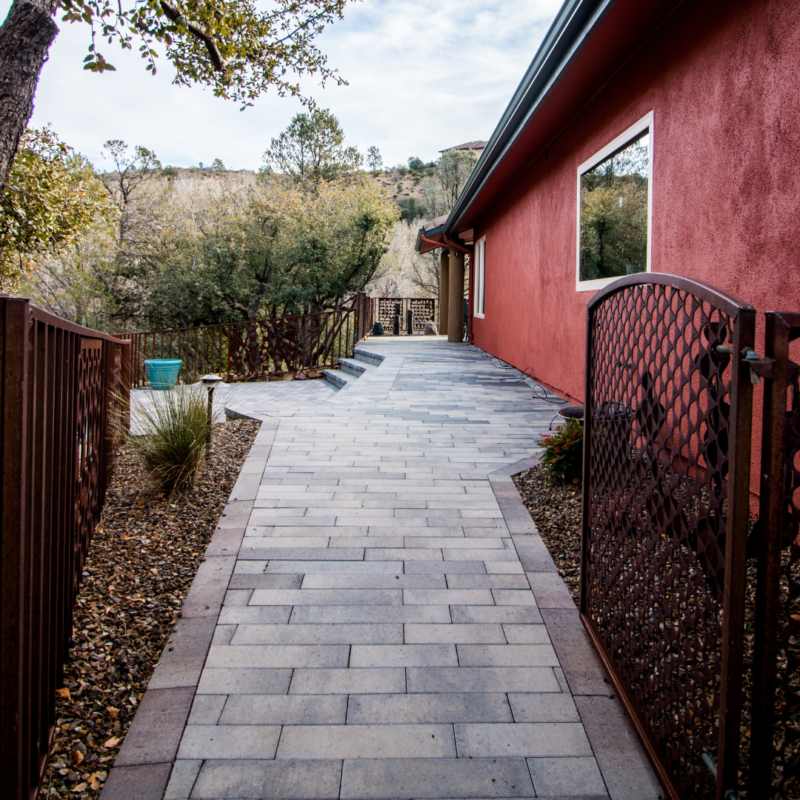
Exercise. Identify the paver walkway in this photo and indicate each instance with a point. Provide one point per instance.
(392, 625)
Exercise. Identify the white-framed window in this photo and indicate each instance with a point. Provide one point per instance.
(615, 209)
(480, 277)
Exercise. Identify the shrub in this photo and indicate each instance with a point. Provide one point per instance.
(399, 187)
(562, 460)
(175, 430)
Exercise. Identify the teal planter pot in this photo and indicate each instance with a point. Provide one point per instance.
(163, 372)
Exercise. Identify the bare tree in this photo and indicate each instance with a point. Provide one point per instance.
(374, 158)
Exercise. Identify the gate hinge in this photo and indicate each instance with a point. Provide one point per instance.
(760, 367)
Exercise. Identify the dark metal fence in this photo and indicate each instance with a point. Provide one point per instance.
(251, 350)
(665, 517)
(385, 309)
(775, 736)
(63, 388)
(364, 315)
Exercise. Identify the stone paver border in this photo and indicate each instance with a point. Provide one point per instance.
(142, 768)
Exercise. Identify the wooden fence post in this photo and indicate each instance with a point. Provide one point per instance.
(14, 330)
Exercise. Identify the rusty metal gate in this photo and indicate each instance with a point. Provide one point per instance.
(665, 510)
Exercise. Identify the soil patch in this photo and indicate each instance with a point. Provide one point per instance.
(144, 556)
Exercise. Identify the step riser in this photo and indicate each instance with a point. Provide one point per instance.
(352, 369)
(335, 379)
(367, 358)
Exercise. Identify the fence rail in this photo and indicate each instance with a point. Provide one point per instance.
(63, 391)
(251, 350)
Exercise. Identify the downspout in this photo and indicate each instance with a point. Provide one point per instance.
(470, 300)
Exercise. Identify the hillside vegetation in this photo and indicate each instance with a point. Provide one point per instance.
(151, 247)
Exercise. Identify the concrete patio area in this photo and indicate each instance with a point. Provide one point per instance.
(376, 616)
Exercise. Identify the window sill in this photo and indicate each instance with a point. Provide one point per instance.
(601, 283)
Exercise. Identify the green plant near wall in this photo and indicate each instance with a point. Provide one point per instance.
(562, 459)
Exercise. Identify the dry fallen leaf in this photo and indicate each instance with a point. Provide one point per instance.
(63, 693)
(78, 756)
(112, 742)
(80, 787)
(112, 712)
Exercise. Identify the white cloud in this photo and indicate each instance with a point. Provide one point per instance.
(422, 76)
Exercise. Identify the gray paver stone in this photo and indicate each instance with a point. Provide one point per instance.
(367, 741)
(155, 732)
(298, 709)
(623, 763)
(268, 780)
(566, 777)
(521, 739)
(401, 709)
(348, 681)
(182, 778)
(395, 778)
(229, 741)
(137, 783)
(482, 679)
(244, 681)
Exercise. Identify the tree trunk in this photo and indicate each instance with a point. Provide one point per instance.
(25, 38)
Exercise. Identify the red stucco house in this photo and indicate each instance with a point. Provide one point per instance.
(687, 116)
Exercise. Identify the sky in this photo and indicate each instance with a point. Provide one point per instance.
(422, 76)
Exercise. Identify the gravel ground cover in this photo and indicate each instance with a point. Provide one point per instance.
(556, 510)
(144, 556)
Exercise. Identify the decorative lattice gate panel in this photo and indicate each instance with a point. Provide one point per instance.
(665, 514)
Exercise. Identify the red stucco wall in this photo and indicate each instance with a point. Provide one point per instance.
(722, 81)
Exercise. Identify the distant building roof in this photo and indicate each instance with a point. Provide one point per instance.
(476, 145)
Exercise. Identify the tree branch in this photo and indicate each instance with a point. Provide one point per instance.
(199, 31)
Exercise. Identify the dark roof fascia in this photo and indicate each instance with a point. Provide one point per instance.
(573, 26)
(430, 233)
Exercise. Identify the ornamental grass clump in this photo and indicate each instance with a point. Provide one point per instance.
(174, 428)
(562, 460)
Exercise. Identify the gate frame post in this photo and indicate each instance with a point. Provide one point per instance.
(730, 699)
(771, 513)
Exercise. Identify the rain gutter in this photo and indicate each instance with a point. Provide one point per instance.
(574, 25)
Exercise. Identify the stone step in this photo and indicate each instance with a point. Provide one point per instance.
(367, 357)
(337, 378)
(353, 367)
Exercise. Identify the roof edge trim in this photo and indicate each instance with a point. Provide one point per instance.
(573, 26)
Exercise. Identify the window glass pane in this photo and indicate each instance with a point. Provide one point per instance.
(614, 213)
